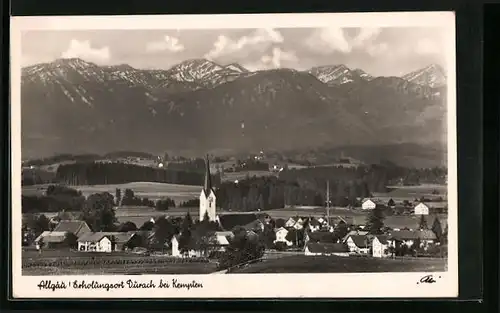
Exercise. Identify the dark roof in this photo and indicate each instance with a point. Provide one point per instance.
(360, 241)
(120, 237)
(314, 222)
(326, 247)
(321, 236)
(207, 186)
(382, 239)
(229, 221)
(279, 223)
(412, 235)
(70, 226)
(254, 225)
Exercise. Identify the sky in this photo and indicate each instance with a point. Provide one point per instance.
(390, 51)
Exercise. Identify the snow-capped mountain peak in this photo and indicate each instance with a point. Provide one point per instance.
(432, 75)
(338, 74)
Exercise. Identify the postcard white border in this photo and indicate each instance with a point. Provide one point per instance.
(348, 285)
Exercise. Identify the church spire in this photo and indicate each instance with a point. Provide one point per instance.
(208, 180)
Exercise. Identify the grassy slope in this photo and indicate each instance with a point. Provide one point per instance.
(335, 264)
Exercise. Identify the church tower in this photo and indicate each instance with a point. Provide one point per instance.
(207, 196)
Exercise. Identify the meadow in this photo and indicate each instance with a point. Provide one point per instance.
(150, 190)
(337, 264)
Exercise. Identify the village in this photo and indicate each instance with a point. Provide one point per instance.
(416, 233)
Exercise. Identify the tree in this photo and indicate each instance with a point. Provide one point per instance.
(437, 229)
(241, 249)
(127, 226)
(118, 196)
(128, 197)
(163, 232)
(340, 231)
(391, 203)
(375, 221)
(185, 238)
(98, 212)
(148, 225)
(423, 222)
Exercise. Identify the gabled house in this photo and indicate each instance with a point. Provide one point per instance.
(368, 204)
(319, 236)
(96, 242)
(313, 224)
(326, 249)
(281, 236)
(408, 237)
(51, 240)
(421, 209)
(359, 244)
(76, 227)
(380, 246)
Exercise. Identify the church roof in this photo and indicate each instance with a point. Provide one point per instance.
(207, 186)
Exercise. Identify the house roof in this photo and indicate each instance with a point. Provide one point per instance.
(73, 226)
(52, 237)
(326, 247)
(412, 235)
(382, 239)
(253, 225)
(120, 237)
(229, 221)
(361, 241)
(279, 223)
(354, 232)
(321, 236)
(314, 222)
(280, 229)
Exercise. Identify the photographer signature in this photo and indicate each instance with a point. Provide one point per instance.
(428, 279)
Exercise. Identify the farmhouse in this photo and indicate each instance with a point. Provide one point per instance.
(338, 249)
(96, 242)
(320, 236)
(219, 240)
(358, 244)
(408, 238)
(76, 227)
(380, 246)
(421, 209)
(313, 224)
(51, 239)
(281, 234)
(368, 204)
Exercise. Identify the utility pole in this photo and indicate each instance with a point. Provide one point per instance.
(328, 201)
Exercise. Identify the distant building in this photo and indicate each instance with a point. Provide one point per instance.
(281, 234)
(51, 240)
(358, 244)
(421, 209)
(380, 246)
(76, 227)
(207, 196)
(408, 237)
(368, 204)
(96, 242)
(326, 249)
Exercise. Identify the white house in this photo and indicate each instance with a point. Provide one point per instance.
(290, 222)
(408, 237)
(368, 204)
(380, 246)
(96, 242)
(421, 209)
(281, 236)
(358, 244)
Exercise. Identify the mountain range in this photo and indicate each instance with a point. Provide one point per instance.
(74, 106)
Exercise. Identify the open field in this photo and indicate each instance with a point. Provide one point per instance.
(410, 193)
(337, 264)
(153, 191)
(66, 262)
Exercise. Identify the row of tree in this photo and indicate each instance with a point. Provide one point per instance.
(96, 173)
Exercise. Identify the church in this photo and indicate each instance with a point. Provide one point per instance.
(207, 196)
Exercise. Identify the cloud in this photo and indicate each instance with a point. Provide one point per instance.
(168, 43)
(426, 46)
(328, 40)
(377, 49)
(259, 40)
(276, 59)
(82, 49)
